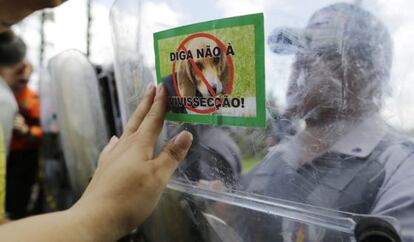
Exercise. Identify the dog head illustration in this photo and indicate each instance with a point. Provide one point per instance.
(214, 69)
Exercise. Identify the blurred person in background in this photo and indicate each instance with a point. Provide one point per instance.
(11, 12)
(11, 53)
(23, 162)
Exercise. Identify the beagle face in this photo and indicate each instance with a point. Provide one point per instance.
(214, 70)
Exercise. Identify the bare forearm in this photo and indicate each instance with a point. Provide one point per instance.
(60, 226)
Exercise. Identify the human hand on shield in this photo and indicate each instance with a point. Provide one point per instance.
(128, 180)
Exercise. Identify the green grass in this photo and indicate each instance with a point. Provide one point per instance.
(242, 40)
(249, 163)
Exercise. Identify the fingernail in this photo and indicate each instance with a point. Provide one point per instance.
(150, 86)
(183, 140)
(160, 88)
(113, 139)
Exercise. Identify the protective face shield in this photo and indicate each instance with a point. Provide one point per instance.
(325, 166)
(80, 118)
(342, 64)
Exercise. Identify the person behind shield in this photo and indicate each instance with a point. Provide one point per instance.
(22, 162)
(12, 53)
(345, 158)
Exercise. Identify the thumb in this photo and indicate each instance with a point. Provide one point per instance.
(173, 154)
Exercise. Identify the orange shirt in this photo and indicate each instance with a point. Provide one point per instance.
(29, 107)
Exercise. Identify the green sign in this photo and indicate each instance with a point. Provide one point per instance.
(214, 71)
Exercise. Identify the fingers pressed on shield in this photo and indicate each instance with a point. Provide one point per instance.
(151, 126)
(107, 149)
(112, 142)
(172, 155)
(141, 111)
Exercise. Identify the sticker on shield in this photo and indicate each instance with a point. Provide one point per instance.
(214, 71)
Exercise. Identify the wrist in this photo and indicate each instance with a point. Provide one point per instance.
(98, 221)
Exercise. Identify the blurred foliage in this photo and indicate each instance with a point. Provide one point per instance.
(253, 145)
(249, 163)
(254, 142)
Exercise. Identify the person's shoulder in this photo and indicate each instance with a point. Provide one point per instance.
(31, 93)
(396, 151)
(397, 140)
(28, 99)
(6, 96)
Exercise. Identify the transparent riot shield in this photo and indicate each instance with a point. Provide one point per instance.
(334, 161)
(82, 127)
(54, 179)
(48, 105)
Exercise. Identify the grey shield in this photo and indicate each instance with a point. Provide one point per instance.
(80, 116)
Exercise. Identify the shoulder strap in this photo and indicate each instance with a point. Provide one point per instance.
(352, 185)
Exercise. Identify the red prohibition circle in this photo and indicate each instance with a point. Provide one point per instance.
(229, 62)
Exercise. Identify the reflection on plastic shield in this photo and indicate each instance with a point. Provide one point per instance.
(79, 114)
(47, 105)
(130, 69)
(335, 161)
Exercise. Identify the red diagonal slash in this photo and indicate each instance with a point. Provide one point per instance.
(200, 74)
